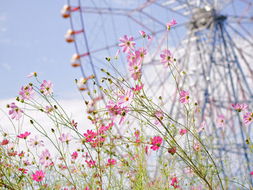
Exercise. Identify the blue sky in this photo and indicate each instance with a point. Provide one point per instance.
(32, 39)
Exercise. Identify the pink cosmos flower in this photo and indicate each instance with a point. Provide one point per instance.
(31, 75)
(111, 162)
(140, 53)
(184, 97)
(196, 147)
(172, 150)
(156, 142)
(87, 188)
(220, 121)
(182, 131)
(126, 99)
(38, 176)
(90, 163)
(116, 109)
(24, 135)
(89, 135)
(23, 170)
(4, 142)
(166, 57)
(117, 54)
(49, 109)
(105, 128)
(142, 33)
(74, 155)
(173, 22)
(15, 112)
(137, 88)
(34, 142)
(159, 115)
(46, 87)
(26, 92)
(65, 137)
(174, 182)
(127, 43)
(240, 107)
(248, 117)
(251, 173)
(45, 158)
(201, 127)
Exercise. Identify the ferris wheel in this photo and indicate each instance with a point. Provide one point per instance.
(213, 44)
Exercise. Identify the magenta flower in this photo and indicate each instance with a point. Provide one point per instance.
(156, 142)
(240, 107)
(38, 176)
(90, 163)
(34, 142)
(184, 97)
(74, 155)
(111, 162)
(251, 173)
(23, 170)
(173, 22)
(248, 117)
(166, 57)
(15, 112)
(137, 88)
(24, 135)
(127, 43)
(89, 135)
(26, 92)
(45, 158)
(182, 131)
(174, 182)
(65, 137)
(46, 87)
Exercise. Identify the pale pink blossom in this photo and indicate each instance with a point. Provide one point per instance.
(127, 43)
(159, 117)
(170, 24)
(65, 137)
(46, 87)
(35, 142)
(221, 121)
(26, 92)
(196, 146)
(15, 111)
(126, 98)
(166, 57)
(240, 107)
(201, 127)
(45, 158)
(32, 74)
(248, 117)
(184, 97)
